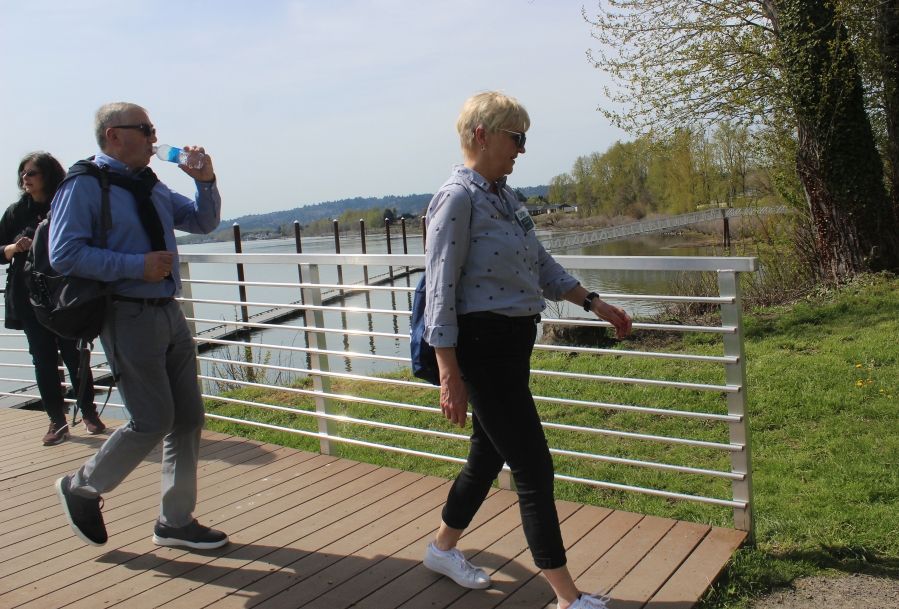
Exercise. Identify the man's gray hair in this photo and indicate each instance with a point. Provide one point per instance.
(111, 115)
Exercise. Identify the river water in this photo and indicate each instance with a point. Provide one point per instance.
(622, 282)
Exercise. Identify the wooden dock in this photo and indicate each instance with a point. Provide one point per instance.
(309, 530)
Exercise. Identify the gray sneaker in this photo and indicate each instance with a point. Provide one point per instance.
(454, 565)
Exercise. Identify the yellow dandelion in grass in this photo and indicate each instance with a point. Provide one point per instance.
(859, 384)
(870, 381)
(881, 391)
(858, 365)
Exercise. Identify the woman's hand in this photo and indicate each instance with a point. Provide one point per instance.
(620, 320)
(453, 395)
(21, 245)
(614, 315)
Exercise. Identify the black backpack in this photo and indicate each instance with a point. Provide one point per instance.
(72, 307)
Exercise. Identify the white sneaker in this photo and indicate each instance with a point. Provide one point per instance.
(454, 565)
(591, 601)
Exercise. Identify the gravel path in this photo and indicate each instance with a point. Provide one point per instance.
(852, 592)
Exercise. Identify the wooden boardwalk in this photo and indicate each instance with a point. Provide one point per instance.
(313, 531)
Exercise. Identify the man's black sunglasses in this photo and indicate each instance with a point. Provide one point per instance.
(518, 137)
(146, 129)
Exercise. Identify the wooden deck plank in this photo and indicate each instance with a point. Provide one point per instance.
(42, 522)
(47, 498)
(392, 582)
(299, 516)
(624, 555)
(310, 580)
(46, 478)
(313, 531)
(136, 553)
(495, 560)
(651, 573)
(62, 533)
(581, 556)
(698, 572)
(136, 528)
(120, 521)
(256, 580)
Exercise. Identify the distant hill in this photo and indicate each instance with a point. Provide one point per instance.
(412, 204)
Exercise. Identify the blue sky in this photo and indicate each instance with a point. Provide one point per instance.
(300, 102)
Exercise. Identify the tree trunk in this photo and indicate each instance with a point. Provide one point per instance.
(887, 20)
(837, 159)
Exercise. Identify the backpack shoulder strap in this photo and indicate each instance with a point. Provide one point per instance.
(101, 174)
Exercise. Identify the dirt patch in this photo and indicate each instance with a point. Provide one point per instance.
(853, 592)
(604, 338)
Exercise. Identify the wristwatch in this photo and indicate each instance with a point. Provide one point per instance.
(589, 299)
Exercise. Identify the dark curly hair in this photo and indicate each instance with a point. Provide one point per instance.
(49, 167)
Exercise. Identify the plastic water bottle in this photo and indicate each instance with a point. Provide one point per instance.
(192, 159)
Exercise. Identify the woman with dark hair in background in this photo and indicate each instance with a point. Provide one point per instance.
(39, 176)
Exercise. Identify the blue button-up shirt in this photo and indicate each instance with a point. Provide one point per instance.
(75, 231)
(479, 258)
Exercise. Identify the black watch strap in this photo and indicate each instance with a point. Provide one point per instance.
(589, 299)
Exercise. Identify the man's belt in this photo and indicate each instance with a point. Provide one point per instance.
(152, 302)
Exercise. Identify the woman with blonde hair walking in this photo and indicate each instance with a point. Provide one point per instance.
(487, 277)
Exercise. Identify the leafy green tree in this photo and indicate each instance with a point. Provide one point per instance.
(694, 62)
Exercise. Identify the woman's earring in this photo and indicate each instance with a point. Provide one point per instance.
(483, 148)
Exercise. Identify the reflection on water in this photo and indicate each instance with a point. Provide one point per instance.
(636, 282)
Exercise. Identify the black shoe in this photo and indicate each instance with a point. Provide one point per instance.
(83, 514)
(194, 535)
(58, 432)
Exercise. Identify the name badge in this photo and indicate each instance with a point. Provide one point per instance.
(525, 218)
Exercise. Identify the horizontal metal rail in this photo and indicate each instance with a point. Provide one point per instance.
(339, 418)
(423, 385)
(716, 359)
(462, 437)
(271, 305)
(597, 263)
(249, 324)
(638, 381)
(321, 436)
(350, 354)
(642, 326)
(336, 286)
(656, 493)
(606, 432)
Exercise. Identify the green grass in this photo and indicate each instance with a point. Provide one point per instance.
(825, 449)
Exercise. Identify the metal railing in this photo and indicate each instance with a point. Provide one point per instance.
(305, 304)
(651, 227)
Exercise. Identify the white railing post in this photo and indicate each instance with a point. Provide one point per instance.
(505, 480)
(737, 402)
(321, 384)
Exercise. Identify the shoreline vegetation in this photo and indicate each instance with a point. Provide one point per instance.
(823, 383)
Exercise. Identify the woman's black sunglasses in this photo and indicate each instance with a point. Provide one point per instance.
(518, 136)
(146, 129)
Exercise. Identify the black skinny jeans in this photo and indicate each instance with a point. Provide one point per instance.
(44, 346)
(494, 355)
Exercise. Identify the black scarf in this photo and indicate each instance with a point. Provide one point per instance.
(141, 186)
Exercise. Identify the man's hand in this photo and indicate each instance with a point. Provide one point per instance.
(206, 173)
(453, 395)
(615, 316)
(158, 265)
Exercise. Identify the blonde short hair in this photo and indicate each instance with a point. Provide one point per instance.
(493, 111)
(110, 115)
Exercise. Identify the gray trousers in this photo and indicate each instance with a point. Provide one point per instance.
(157, 364)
